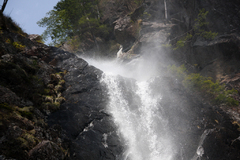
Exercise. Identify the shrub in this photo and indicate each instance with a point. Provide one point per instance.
(201, 25)
(213, 91)
(179, 72)
(182, 41)
(199, 29)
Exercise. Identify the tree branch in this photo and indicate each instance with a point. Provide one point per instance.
(4, 5)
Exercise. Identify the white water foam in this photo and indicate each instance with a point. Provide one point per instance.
(136, 112)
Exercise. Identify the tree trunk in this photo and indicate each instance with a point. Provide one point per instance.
(165, 5)
(4, 5)
(2, 18)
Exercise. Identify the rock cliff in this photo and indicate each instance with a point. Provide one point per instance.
(204, 125)
(52, 104)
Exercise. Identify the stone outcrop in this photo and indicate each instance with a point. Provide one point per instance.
(46, 150)
(83, 116)
(52, 105)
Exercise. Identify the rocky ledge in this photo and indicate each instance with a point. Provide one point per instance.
(51, 104)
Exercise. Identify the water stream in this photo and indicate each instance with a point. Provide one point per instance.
(136, 110)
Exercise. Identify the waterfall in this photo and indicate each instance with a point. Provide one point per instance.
(136, 110)
(120, 53)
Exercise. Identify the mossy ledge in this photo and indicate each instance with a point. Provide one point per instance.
(30, 89)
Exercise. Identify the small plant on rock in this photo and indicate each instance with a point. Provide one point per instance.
(18, 45)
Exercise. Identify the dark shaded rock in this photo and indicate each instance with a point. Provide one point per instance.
(14, 131)
(124, 32)
(137, 13)
(46, 150)
(97, 142)
(216, 144)
(7, 96)
(200, 130)
(81, 116)
(2, 157)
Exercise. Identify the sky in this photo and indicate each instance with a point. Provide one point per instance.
(26, 13)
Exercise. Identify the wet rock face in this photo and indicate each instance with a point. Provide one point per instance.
(124, 32)
(82, 116)
(200, 131)
(218, 144)
(52, 105)
(46, 150)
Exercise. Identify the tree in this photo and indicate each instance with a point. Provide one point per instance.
(199, 29)
(71, 18)
(2, 18)
(165, 6)
(4, 5)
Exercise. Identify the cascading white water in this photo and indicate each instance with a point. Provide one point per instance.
(136, 111)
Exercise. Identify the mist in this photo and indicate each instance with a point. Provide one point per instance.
(135, 105)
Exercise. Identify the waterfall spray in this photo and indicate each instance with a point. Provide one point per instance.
(135, 111)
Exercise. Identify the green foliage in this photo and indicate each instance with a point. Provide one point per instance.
(57, 28)
(138, 2)
(179, 72)
(182, 41)
(71, 18)
(201, 20)
(214, 91)
(18, 45)
(207, 34)
(200, 29)
(201, 25)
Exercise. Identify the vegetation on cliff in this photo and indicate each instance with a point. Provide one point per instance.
(25, 83)
(200, 29)
(84, 25)
(31, 87)
(214, 92)
(73, 19)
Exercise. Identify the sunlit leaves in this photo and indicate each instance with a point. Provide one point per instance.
(71, 18)
(57, 28)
